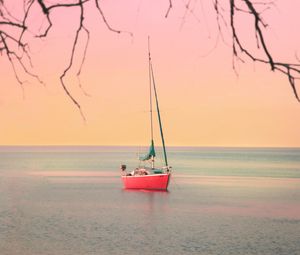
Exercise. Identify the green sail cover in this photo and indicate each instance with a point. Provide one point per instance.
(150, 153)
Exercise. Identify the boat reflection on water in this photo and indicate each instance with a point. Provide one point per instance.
(147, 202)
(149, 191)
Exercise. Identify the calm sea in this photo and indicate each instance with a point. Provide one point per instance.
(70, 200)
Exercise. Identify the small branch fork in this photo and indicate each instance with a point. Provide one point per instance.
(290, 70)
(16, 50)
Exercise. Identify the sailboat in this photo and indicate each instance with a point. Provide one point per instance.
(152, 177)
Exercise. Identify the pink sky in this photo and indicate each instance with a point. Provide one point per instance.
(203, 102)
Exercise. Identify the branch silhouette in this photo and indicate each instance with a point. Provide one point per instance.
(15, 25)
(12, 44)
(290, 70)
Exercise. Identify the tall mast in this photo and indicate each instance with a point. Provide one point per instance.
(151, 111)
(157, 107)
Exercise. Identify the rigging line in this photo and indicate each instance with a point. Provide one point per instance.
(159, 118)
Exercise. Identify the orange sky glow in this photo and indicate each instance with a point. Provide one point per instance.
(203, 102)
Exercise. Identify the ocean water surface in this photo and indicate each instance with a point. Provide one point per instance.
(70, 200)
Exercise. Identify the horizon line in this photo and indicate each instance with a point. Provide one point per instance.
(185, 146)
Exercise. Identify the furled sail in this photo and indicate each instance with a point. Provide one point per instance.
(150, 154)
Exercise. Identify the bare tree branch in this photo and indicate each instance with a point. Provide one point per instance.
(15, 48)
(15, 28)
(169, 8)
(290, 70)
(83, 60)
(79, 29)
(104, 19)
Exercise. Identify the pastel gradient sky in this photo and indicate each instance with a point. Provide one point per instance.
(203, 102)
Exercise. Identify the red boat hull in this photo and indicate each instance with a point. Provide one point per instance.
(154, 182)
